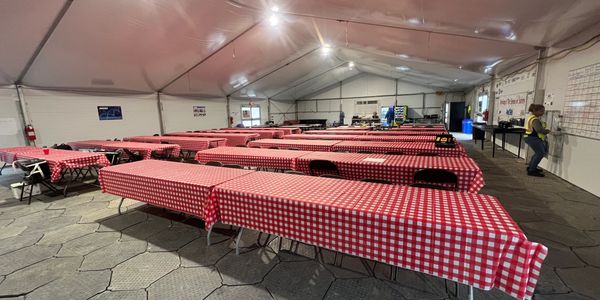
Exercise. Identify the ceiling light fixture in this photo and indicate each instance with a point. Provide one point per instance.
(455, 80)
(415, 21)
(275, 9)
(403, 68)
(274, 20)
(476, 31)
(403, 56)
(325, 49)
(512, 36)
(351, 64)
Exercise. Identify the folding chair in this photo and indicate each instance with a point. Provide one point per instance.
(232, 166)
(394, 153)
(332, 176)
(36, 171)
(131, 156)
(377, 180)
(214, 163)
(320, 167)
(439, 179)
(427, 154)
(63, 147)
(294, 172)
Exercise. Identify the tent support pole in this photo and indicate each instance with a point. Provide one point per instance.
(228, 110)
(160, 114)
(269, 109)
(396, 94)
(23, 111)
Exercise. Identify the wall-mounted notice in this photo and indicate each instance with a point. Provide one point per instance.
(110, 113)
(8, 126)
(581, 113)
(199, 111)
(511, 107)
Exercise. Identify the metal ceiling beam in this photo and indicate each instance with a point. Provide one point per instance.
(307, 80)
(235, 2)
(209, 56)
(44, 40)
(273, 71)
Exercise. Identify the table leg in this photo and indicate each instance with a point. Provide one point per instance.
(519, 151)
(3, 166)
(503, 141)
(208, 235)
(120, 204)
(494, 144)
(471, 296)
(237, 241)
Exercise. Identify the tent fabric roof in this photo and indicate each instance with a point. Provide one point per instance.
(223, 48)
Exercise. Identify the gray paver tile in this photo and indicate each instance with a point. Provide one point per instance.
(5, 222)
(173, 238)
(11, 230)
(18, 242)
(121, 295)
(582, 280)
(590, 255)
(52, 224)
(80, 285)
(37, 219)
(198, 253)
(365, 288)
(550, 283)
(85, 208)
(298, 280)
(16, 260)
(121, 222)
(565, 235)
(142, 270)
(68, 233)
(595, 235)
(86, 244)
(143, 230)
(70, 201)
(112, 255)
(569, 296)
(186, 283)
(559, 255)
(29, 278)
(246, 268)
(22, 209)
(254, 292)
(97, 216)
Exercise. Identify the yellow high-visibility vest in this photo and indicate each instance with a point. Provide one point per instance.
(529, 126)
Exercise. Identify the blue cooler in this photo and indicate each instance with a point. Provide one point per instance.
(467, 126)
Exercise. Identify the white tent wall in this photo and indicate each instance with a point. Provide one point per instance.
(369, 87)
(282, 111)
(579, 161)
(11, 122)
(60, 116)
(178, 114)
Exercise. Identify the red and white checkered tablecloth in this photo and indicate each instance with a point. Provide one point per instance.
(252, 157)
(7, 155)
(145, 149)
(398, 169)
(59, 160)
(407, 148)
(285, 130)
(402, 133)
(463, 237)
(349, 128)
(263, 134)
(176, 186)
(337, 132)
(305, 145)
(186, 143)
(375, 138)
(233, 139)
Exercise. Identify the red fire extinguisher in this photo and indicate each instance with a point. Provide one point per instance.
(30, 133)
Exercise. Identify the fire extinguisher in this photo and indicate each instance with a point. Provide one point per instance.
(30, 133)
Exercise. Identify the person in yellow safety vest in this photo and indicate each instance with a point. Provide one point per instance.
(535, 134)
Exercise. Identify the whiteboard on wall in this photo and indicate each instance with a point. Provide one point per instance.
(511, 107)
(581, 112)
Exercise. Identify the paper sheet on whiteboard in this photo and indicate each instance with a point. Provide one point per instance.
(379, 160)
(8, 126)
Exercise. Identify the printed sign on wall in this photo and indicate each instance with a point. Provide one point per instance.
(110, 113)
(199, 111)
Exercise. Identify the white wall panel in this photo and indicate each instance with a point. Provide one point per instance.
(178, 113)
(10, 136)
(67, 116)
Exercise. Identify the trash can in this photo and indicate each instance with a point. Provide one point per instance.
(467, 126)
(16, 190)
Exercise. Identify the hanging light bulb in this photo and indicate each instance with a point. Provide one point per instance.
(326, 49)
(351, 65)
(274, 20)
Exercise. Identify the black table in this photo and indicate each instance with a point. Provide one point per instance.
(494, 130)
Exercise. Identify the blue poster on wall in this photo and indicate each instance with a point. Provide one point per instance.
(110, 113)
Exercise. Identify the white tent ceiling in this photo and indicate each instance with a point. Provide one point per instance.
(219, 48)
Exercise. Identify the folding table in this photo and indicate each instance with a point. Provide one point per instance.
(285, 130)
(263, 134)
(7, 155)
(376, 138)
(337, 132)
(407, 148)
(188, 144)
(252, 157)
(306, 145)
(233, 139)
(176, 186)
(62, 161)
(464, 237)
(145, 149)
(398, 169)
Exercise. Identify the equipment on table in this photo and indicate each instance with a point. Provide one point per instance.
(505, 124)
(439, 179)
(445, 141)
